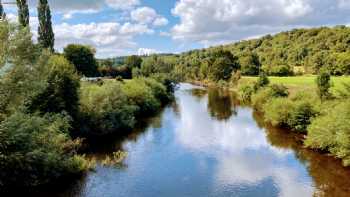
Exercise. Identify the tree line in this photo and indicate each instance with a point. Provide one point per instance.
(295, 52)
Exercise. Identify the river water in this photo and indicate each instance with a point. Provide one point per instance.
(206, 144)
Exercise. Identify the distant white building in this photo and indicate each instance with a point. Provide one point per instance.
(146, 52)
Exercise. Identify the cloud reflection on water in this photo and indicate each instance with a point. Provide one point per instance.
(240, 148)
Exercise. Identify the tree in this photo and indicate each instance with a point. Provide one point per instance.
(61, 91)
(263, 81)
(46, 36)
(223, 65)
(23, 13)
(250, 64)
(2, 12)
(133, 61)
(323, 81)
(83, 58)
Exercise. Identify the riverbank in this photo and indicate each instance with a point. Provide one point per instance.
(229, 147)
(293, 103)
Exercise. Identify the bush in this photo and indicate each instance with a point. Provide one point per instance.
(295, 113)
(141, 95)
(159, 90)
(281, 70)
(323, 84)
(264, 95)
(277, 111)
(105, 109)
(60, 93)
(331, 132)
(36, 150)
(262, 81)
(168, 80)
(246, 93)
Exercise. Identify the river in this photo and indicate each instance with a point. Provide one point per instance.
(206, 144)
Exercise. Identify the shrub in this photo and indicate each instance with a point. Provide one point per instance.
(323, 84)
(60, 93)
(105, 109)
(281, 70)
(159, 90)
(246, 93)
(141, 95)
(264, 95)
(262, 81)
(331, 132)
(295, 113)
(36, 150)
(168, 80)
(277, 111)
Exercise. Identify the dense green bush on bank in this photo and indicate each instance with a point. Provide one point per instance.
(35, 150)
(331, 131)
(113, 108)
(265, 94)
(284, 112)
(105, 109)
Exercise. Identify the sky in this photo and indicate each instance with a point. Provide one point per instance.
(125, 27)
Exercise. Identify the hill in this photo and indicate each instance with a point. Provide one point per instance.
(299, 51)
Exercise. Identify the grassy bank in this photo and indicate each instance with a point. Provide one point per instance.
(295, 103)
(300, 83)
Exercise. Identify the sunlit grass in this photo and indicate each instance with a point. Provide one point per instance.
(300, 83)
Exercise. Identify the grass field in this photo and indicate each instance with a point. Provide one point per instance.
(300, 83)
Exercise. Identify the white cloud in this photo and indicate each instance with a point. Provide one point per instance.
(122, 4)
(147, 15)
(209, 22)
(110, 39)
(237, 162)
(143, 15)
(160, 21)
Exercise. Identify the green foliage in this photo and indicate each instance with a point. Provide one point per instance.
(250, 64)
(156, 64)
(264, 95)
(323, 82)
(133, 61)
(105, 109)
(345, 91)
(223, 64)
(331, 132)
(141, 95)
(46, 36)
(262, 81)
(23, 12)
(280, 70)
(60, 93)
(284, 112)
(113, 108)
(158, 89)
(277, 111)
(246, 92)
(35, 150)
(82, 57)
(307, 49)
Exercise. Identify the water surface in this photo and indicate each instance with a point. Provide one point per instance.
(206, 144)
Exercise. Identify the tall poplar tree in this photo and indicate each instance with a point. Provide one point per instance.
(23, 12)
(46, 36)
(2, 12)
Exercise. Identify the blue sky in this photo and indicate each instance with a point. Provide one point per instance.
(124, 27)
